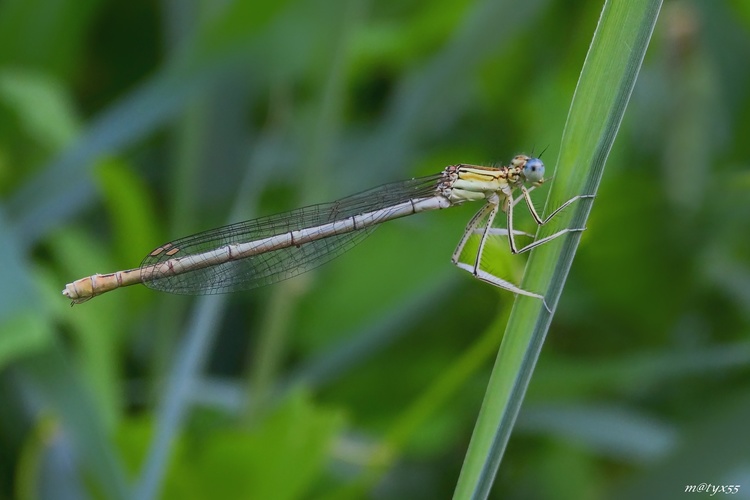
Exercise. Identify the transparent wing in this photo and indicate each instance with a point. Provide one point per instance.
(280, 264)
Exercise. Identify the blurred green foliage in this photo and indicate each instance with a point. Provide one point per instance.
(125, 125)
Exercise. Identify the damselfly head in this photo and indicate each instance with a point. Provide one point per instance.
(533, 171)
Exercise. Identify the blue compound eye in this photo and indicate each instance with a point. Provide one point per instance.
(534, 170)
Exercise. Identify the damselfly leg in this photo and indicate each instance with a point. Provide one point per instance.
(484, 229)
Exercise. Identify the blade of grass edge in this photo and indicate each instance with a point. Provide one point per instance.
(604, 88)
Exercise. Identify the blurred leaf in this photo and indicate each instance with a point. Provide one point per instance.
(568, 471)
(400, 42)
(608, 431)
(234, 26)
(41, 34)
(44, 467)
(281, 459)
(743, 10)
(43, 107)
(98, 331)
(21, 294)
(54, 382)
(23, 334)
(134, 219)
(635, 374)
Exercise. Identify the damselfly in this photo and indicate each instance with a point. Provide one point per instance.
(262, 251)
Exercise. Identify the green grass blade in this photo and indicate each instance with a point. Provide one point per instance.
(604, 88)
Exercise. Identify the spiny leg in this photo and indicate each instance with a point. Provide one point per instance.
(492, 210)
(501, 283)
(485, 234)
(518, 200)
(474, 228)
(540, 221)
(510, 203)
(471, 227)
(509, 224)
(475, 270)
(559, 209)
(501, 231)
(549, 238)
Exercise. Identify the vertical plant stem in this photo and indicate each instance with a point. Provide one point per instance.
(604, 88)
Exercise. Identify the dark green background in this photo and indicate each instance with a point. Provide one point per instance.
(126, 124)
